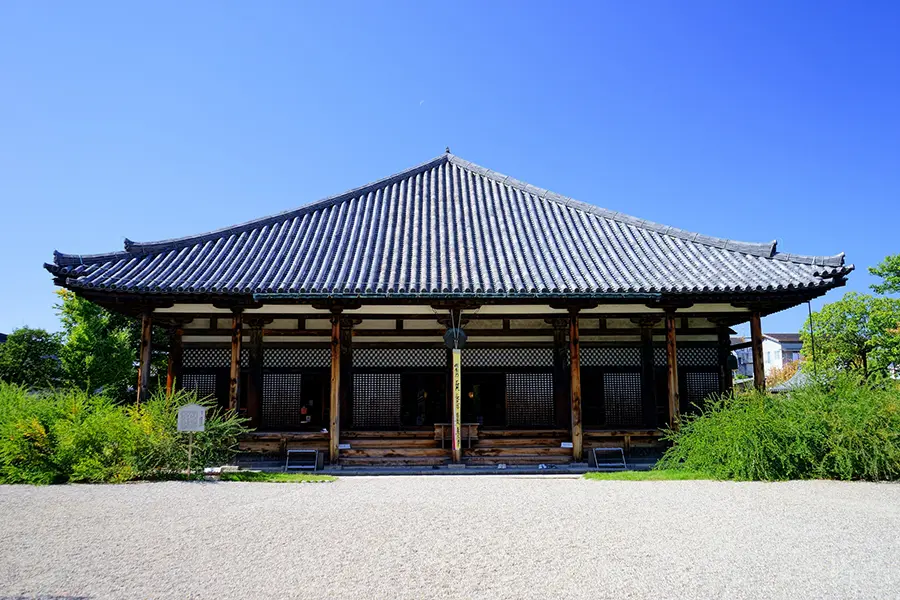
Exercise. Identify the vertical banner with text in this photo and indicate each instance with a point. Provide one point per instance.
(456, 417)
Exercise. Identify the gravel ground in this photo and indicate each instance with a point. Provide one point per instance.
(452, 537)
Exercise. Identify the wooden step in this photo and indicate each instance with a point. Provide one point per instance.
(392, 462)
(391, 443)
(519, 442)
(522, 433)
(394, 452)
(410, 434)
(518, 452)
(517, 460)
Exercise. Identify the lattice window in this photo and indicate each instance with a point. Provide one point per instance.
(706, 356)
(376, 399)
(698, 357)
(610, 357)
(282, 400)
(529, 399)
(507, 357)
(622, 399)
(700, 385)
(212, 358)
(399, 357)
(296, 358)
(202, 383)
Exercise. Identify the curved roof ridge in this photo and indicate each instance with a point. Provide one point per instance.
(138, 248)
(763, 249)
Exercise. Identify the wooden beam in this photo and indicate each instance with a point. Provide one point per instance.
(561, 406)
(255, 381)
(176, 355)
(759, 365)
(725, 374)
(648, 384)
(672, 371)
(335, 404)
(234, 381)
(144, 356)
(346, 410)
(575, 387)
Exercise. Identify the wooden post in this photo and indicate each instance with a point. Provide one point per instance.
(759, 365)
(176, 354)
(456, 406)
(255, 381)
(575, 387)
(648, 384)
(672, 371)
(234, 381)
(346, 411)
(725, 374)
(561, 406)
(144, 356)
(335, 404)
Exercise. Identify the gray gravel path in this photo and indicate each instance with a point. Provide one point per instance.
(452, 537)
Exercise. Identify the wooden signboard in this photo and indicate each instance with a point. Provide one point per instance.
(456, 420)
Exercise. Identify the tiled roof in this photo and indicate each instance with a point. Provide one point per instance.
(784, 337)
(448, 228)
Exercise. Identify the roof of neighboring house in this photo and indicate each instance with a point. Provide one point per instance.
(797, 380)
(449, 227)
(2, 337)
(784, 337)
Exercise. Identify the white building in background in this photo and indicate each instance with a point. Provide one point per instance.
(779, 349)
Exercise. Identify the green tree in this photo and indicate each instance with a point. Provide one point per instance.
(30, 357)
(101, 347)
(97, 353)
(859, 333)
(889, 271)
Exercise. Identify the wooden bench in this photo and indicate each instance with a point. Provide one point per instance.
(468, 431)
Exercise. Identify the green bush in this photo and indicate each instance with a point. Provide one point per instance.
(71, 436)
(841, 429)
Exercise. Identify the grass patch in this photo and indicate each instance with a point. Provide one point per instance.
(838, 427)
(655, 475)
(276, 477)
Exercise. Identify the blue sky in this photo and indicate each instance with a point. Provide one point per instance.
(746, 120)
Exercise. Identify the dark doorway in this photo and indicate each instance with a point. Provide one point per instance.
(484, 398)
(592, 406)
(423, 399)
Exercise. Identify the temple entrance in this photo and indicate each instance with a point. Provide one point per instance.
(423, 399)
(484, 399)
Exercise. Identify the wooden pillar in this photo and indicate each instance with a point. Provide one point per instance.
(648, 367)
(176, 354)
(672, 371)
(234, 381)
(346, 401)
(335, 404)
(759, 365)
(725, 374)
(255, 381)
(575, 387)
(144, 356)
(561, 406)
(456, 406)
